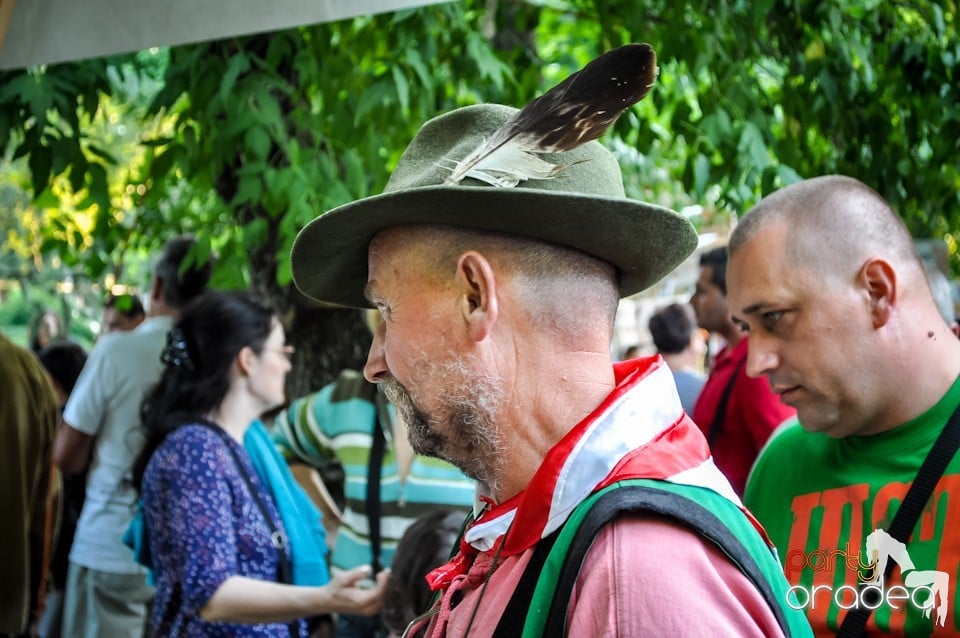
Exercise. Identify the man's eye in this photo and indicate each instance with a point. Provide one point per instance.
(770, 319)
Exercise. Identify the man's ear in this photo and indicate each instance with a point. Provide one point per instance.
(880, 281)
(478, 294)
(245, 360)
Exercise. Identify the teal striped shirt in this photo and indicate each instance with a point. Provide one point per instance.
(337, 423)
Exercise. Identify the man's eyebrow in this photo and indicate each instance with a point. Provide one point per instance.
(755, 308)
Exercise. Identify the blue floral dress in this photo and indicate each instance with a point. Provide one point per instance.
(204, 527)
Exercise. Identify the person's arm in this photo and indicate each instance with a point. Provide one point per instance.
(245, 600)
(85, 412)
(192, 482)
(71, 449)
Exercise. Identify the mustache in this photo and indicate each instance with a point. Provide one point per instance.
(397, 394)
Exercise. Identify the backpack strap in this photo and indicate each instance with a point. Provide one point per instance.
(555, 564)
(514, 618)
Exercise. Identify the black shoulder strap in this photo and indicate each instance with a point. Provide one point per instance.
(628, 500)
(515, 615)
(373, 506)
(720, 415)
(934, 465)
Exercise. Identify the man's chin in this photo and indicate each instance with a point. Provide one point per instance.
(819, 424)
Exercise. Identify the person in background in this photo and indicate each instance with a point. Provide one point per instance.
(28, 421)
(675, 335)
(217, 542)
(827, 280)
(106, 592)
(424, 546)
(63, 361)
(47, 328)
(122, 313)
(736, 412)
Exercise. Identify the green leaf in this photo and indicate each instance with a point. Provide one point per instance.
(701, 174)
(62, 151)
(355, 173)
(254, 232)
(249, 190)
(415, 60)
(239, 63)
(752, 147)
(717, 127)
(257, 142)
(374, 98)
(106, 156)
(98, 187)
(161, 164)
(46, 199)
(40, 163)
(284, 269)
(489, 65)
(156, 141)
(266, 107)
(403, 88)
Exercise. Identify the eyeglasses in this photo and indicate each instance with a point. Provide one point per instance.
(286, 351)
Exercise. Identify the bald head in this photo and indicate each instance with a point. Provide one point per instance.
(835, 223)
(841, 320)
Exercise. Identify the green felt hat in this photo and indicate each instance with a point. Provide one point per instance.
(583, 207)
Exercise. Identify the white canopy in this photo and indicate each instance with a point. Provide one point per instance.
(34, 32)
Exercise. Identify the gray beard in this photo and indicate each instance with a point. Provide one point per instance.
(465, 430)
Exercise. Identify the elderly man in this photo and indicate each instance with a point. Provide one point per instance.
(843, 324)
(497, 307)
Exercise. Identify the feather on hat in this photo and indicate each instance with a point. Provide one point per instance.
(534, 172)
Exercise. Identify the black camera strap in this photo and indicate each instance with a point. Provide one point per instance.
(373, 505)
(720, 415)
(933, 466)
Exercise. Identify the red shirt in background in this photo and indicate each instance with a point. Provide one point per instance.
(753, 413)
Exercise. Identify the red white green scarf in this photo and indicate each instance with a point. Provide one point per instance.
(639, 431)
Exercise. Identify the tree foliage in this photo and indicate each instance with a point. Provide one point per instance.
(243, 141)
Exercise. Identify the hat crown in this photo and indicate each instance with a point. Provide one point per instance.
(589, 169)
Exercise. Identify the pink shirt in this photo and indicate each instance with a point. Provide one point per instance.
(642, 577)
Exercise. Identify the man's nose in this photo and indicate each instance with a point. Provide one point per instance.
(761, 357)
(375, 369)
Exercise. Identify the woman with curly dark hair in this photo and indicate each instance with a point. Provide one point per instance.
(217, 542)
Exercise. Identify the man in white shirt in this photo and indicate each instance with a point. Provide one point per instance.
(106, 591)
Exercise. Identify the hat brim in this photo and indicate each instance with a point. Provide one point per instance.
(643, 241)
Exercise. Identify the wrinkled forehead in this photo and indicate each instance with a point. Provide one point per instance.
(389, 242)
(389, 251)
(384, 246)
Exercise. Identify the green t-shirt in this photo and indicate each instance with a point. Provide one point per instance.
(819, 498)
